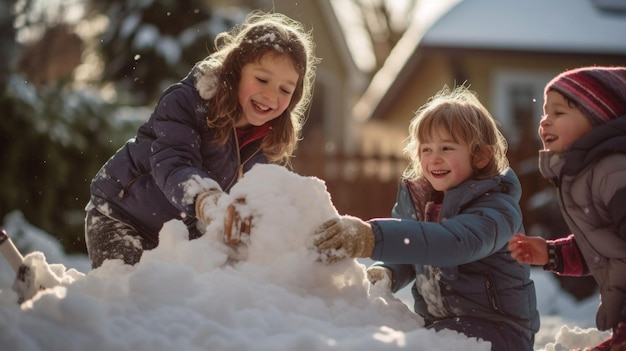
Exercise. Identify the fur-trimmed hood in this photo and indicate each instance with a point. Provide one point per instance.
(206, 75)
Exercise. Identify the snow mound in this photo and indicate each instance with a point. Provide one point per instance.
(192, 295)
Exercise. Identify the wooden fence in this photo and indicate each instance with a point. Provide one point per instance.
(360, 185)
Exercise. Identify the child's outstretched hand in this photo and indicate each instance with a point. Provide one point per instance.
(344, 237)
(529, 249)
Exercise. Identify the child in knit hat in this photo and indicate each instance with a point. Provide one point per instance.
(583, 131)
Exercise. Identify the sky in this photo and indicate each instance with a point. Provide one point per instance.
(271, 295)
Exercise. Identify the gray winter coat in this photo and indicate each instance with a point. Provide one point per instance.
(590, 178)
(460, 265)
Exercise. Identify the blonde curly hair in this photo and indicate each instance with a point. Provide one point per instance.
(459, 113)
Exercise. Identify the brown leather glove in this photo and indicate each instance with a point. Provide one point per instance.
(236, 229)
(344, 237)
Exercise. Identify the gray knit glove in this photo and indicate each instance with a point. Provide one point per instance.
(379, 275)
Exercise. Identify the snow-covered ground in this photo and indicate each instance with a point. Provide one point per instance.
(195, 295)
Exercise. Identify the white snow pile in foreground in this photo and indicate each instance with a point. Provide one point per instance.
(188, 295)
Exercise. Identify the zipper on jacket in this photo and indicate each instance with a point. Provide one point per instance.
(492, 295)
(240, 164)
(246, 161)
(122, 192)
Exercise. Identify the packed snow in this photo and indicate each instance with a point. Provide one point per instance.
(273, 295)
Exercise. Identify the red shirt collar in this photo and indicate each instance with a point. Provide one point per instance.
(249, 134)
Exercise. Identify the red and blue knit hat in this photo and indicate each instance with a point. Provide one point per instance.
(599, 92)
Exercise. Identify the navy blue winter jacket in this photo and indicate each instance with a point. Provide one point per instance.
(142, 184)
(460, 265)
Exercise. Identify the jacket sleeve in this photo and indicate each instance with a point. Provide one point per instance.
(477, 232)
(175, 159)
(609, 185)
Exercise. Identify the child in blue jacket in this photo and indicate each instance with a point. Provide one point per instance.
(456, 209)
(242, 105)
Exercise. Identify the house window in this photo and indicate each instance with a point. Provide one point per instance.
(517, 102)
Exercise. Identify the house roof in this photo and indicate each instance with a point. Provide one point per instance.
(426, 14)
(589, 26)
(543, 25)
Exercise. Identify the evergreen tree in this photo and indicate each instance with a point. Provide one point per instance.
(149, 45)
(56, 133)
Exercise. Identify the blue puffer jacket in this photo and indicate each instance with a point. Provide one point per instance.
(142, 184)
(460, 265)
